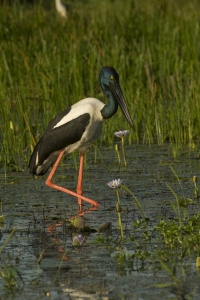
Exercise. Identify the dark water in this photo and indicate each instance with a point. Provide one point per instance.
(90, 271)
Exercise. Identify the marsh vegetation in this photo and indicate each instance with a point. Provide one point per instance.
(48, 63)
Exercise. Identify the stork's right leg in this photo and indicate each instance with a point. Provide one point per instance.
(79, 184)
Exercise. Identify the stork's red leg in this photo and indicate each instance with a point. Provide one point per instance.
(80, 178)
(79, 185)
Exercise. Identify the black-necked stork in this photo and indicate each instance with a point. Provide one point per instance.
(76, 128)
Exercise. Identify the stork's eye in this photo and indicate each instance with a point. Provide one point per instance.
(111, 77)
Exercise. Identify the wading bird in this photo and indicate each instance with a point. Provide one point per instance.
(61, 8)
(76, 128)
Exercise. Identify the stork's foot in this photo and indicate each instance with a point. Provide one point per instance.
(81, 212)
(80, 198)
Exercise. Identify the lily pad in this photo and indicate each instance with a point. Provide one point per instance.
(104, 227)
(78, 222)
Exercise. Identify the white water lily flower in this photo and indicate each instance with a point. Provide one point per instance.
(115, 183)
(121, 133)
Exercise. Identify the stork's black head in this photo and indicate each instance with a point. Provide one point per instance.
(108, 75)
(109, 80)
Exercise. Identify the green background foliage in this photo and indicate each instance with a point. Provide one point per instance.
(47, 64)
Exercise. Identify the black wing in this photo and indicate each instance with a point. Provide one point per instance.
(57, 119)
(56, 139)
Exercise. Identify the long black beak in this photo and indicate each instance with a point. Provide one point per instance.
(116, 89)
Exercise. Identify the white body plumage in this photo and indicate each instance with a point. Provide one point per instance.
(92, 106)
(61, 9)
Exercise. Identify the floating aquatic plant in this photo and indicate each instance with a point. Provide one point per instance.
(104, 227)
(78, 222)
(121, 134)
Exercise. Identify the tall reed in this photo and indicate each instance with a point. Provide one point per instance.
(47, 63)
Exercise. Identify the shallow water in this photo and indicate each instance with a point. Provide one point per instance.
(89, 271)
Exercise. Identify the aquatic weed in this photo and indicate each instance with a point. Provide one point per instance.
(2, 219)
(179, 285)
(8, 272)
(8, 239)
(167, 240)
(135, 201)
(196, 189)
(11, 276)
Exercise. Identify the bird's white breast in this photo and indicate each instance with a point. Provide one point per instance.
(92, 106)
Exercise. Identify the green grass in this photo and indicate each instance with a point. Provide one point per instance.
(47, 64)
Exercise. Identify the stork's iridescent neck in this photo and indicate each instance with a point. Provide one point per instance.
(106, 77)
